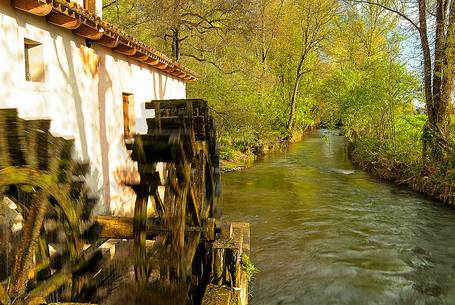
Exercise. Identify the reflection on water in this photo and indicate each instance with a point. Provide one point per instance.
(324, 233)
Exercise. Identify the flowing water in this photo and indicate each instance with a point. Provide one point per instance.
(325, 233)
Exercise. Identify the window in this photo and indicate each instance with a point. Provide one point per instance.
(34, 63)
(128, 114)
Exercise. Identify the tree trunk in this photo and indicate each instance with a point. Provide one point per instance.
(436, 132)
(293, 104)
(290, 124)
(438, 77)
(175, 44)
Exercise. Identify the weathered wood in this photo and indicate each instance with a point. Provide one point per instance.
(39, 170)
(67, 22)
(228, 249)
(209, 232)
(215, 295)
(218, 267)
(42, 180)
(70, 303)
(232, 258)
(178, 135)
(183, 114)
(88, 32)
(4, 298)
(194, 207)
(47, 287)
(35, 7)
(176, 103)
(26, 251)
(162, 148)
(246, 232)
(140, 233)
(226, 231)
(115, 227)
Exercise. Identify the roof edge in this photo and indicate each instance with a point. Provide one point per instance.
(81, 22)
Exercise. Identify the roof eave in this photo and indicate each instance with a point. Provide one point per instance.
(72, 16)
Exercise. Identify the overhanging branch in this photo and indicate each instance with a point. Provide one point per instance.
(390, 10)
(212, 63)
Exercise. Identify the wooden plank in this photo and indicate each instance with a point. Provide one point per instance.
(176, 103)
(26, 251)
(161, 148)
(194, 208)
(215, 295)
(115, 227)
(246, 243)
(140, 232)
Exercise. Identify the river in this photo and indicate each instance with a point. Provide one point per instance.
(325, 233)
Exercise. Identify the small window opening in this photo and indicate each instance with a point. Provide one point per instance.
(34, 62)
(128, 114)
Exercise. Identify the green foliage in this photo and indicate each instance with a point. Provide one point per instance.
(366, 99)
(248, 55)
(247, 265)
(404, 150)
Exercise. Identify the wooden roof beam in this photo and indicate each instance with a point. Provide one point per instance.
(35, 7)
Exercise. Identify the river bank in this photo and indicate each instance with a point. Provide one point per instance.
(332, 234)
(240, 160)
(246, 159)
(436, 181)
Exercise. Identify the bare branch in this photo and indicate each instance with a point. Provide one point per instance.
(390, 10)
(212, 63)
(109, 4)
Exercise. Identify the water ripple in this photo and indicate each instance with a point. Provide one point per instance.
(324, 233)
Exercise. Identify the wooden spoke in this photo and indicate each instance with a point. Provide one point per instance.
(26, 250)
(140, 233)
(39, 177)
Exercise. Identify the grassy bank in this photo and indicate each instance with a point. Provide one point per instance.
(237, 155)
(398, 159)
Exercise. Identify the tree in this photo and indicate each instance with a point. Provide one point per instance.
(367, 97)
(268, 20)
(176, 22)
(315, 18)
(438, 68)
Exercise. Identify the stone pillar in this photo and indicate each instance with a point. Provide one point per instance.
(229, 285)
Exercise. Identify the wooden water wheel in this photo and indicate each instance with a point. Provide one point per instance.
(182, 137)
(49, 240)
(49, 254)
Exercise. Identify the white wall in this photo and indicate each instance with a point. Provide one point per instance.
(83, 98)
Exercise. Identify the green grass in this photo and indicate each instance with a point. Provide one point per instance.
(247, 265)
(399, 159)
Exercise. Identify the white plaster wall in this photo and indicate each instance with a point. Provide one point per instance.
(98, 6)
(82, 105)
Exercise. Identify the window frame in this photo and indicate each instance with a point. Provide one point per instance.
(29, 44)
